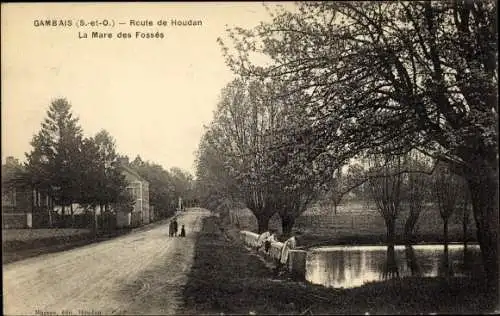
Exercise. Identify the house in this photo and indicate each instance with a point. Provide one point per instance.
(138, 188)
(22, 205)
(26, 207)
(16, 208)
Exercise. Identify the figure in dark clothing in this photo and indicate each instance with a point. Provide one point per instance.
(183, 231)
(175, 227)
(170, 229)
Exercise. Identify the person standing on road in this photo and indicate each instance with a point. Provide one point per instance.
(170, 229)
(183, 231)
(175, 227)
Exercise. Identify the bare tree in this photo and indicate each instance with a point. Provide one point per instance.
(416, 193)
(385, 189)
(345, 180)
(464, 198)
(447, 188)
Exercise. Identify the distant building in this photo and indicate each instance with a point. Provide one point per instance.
(138, 188)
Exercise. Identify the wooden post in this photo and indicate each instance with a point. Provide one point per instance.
(297, 263)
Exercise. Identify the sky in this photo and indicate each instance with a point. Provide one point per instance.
(152, 95)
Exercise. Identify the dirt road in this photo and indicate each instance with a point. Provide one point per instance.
(141, 273)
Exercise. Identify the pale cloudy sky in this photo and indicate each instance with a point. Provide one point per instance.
(152, 95)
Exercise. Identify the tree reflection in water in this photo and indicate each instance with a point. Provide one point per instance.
(411, 261)
(468, 260)
(445, 268)
(390, 270)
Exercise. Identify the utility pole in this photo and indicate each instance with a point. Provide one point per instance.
(180, 203)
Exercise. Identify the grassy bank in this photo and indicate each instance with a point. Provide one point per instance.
(23, 248)
(228, 278)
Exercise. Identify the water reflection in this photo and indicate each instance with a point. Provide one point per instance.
(390, 269)
(411, 261)
(445, 268)
(352, 266)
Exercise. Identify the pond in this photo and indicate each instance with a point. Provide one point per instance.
(352, 266)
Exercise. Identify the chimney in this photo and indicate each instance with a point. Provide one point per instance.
(10, 161)
(123, 161)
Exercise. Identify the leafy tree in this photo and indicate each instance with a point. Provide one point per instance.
(237, 149)
(111, 184)
(161, 186)
(53, 161)
(236, 139)
(12, 173)
(214, 185)
(90, 177)
(101, 181)
(183, 183)
(292, 188)
(421, 75)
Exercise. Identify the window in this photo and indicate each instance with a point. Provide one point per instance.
(9, 197)
(131, 191)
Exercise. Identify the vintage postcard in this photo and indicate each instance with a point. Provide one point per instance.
(166, 158)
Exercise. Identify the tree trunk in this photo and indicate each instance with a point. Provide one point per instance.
(445, 265)
(391, 269)
(263, 222)
(465, 223)
(445, 231)
(50, 217)
(411, 261)
(72, 215)
(287, 222)
(94, 221)
(484, 196)
(101, 217)
(410, 226)
(63, 222)
(391, 231)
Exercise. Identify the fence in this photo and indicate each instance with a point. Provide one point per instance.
(105, 221)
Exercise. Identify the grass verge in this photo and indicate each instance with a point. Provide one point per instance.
(227, 278)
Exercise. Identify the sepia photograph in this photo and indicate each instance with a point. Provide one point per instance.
(250, 158)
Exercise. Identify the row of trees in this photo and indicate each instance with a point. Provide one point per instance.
(71, 168)
(165, 186)
(235, 162)
(352, 80)
(413, 182)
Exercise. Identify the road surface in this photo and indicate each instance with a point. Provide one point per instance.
(140, 273)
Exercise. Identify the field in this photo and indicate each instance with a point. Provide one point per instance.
(362, 224)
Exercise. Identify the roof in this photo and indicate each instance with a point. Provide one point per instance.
(133, 172)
